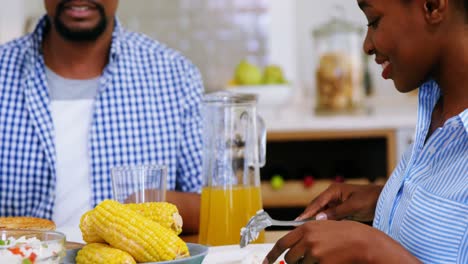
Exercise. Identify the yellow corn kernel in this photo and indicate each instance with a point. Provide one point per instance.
(87, 229)
(102, 253)
(166, 214)
(144, 239)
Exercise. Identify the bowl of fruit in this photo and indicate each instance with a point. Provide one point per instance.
(269, 84)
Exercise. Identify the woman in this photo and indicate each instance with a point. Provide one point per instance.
(421, 215)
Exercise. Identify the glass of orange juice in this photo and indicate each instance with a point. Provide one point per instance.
(234, 151)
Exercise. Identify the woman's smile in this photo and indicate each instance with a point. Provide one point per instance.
(386, 67)
(386, 70)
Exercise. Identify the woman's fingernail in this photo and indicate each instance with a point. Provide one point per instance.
(265, 261)
(298, 218)
(321, 216)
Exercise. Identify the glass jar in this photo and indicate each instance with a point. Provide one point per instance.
(339, 67)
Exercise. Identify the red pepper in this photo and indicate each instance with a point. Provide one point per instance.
(16, 251)
(33, 257)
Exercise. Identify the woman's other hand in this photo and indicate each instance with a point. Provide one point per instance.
(341, 201)
(338, 242)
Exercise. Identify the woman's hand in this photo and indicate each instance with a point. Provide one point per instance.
(339, 242)
(341, 201)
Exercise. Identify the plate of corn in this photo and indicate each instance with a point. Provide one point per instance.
(134, 233)
(197, 254)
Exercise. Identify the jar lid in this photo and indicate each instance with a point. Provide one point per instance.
(229, 97)
(336, 25)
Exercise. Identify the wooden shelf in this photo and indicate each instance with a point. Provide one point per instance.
(326, 134)
(295, 194)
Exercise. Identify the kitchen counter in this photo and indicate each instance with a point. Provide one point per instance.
(381, 114)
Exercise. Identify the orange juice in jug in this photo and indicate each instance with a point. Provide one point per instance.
(224, 211)
(234, 147)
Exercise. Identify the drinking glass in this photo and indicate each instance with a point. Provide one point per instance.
(139, 183)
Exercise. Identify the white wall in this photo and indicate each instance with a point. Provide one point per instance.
(283, 37)
(33, 11)
(11, 19)
(14, 15)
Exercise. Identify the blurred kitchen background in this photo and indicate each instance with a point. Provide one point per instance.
(217, 34)
(361, 146)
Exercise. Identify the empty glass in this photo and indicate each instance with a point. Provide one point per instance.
(139, 183)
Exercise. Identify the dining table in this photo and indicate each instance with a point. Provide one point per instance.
(270, 236)
(253, 253)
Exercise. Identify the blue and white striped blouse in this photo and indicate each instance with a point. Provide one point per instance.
(424, 205)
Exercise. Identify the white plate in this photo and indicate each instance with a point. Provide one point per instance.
(233, 254)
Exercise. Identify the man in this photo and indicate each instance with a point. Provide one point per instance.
(81, 95)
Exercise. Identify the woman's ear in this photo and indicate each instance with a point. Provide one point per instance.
(435, 10)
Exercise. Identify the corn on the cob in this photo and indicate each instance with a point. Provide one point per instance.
(166, 214)
(144, 239)
(101, 253)
(87, 229)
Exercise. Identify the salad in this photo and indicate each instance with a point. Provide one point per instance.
(24, 250)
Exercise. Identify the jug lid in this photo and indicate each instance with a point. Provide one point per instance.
(230, 97)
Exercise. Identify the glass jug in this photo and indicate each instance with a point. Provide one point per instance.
(234, 150)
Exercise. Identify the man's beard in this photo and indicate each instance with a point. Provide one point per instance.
(80, 35)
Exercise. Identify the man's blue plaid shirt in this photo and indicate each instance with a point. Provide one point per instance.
(147, 110)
